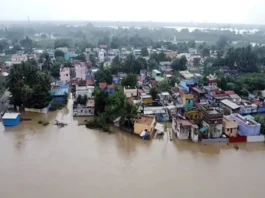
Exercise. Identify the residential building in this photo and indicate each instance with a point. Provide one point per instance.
(65, 74)
(85, 90)
(81, 70)
(11, 119)
(165, 98)
(70, 55)
(145, 123)
(230, 126)
(212, 121)
(193, 115)
(130, 91)
(214, 94)
(60, 92)
(186, 74)
(229, 106)
(101, 55)
(212, 80)
(198, 95)
(248, 108)
(156, 73)
(182, 127)
(246, 127)
(146, 99)
(87, 110)
(187, 101)
(18, 59)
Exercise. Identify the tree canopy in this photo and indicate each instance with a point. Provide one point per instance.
(29, 86)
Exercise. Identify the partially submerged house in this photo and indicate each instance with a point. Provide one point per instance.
(246, 127)
(230, 126)
(84, 110)
(144, 123)
(183, 128)
(60, 92)
(212, 121)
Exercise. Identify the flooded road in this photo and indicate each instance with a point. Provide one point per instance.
(74, 162)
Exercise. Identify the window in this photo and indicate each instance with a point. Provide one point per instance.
(81, 111)
(227, 129)
(66, 74)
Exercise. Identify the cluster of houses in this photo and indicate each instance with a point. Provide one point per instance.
(199, 113)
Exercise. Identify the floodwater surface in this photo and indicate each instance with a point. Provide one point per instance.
(74, 162)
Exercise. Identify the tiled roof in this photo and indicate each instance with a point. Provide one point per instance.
(103, 85)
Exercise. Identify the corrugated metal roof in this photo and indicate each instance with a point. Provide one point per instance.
(230, 104)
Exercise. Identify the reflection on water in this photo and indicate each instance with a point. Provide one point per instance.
(47, 161)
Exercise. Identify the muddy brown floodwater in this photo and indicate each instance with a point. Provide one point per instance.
(74, 162)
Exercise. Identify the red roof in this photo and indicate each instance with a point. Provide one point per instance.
(90, 82)
(103, 85)
(112, 86)
(230, 92)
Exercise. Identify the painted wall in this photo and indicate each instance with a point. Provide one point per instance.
(260, 138)
(138, 127)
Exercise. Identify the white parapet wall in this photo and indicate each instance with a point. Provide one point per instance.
(260, 138)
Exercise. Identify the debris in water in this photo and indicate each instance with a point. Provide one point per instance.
(236, 147)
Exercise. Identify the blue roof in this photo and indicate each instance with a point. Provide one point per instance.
(60, 90)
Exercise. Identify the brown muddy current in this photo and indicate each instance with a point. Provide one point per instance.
(74, 162)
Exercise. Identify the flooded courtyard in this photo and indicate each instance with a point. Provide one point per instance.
(75, 162)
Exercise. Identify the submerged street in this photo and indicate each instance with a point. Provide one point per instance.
(73, 161)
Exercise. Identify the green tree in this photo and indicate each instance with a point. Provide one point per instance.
(144, 51)
(196, 61)
(152, 64)
(101, 98)
(131, 80)
(205, 52)
(29, 86)
(103, 75)
(179, 64)
(164, 86)
(153, 93)
(191, 44)
(58, 53)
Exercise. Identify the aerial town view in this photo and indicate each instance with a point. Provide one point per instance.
(125, 109)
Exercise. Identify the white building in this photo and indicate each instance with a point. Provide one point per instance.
(130, 91)
(87, 110)
(85, 90)
(81, 71)
(101, 55)
(65, 74)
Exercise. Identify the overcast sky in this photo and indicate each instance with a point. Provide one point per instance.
(221, 11)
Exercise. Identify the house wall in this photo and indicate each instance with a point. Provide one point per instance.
(260, 138)
(44, 110)
(130, 92)
(138, 127)
(65, 75)
(245, 129)
(85, 91)
(80, 72)
(83, 111)
(214, 129)
(147, 101)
